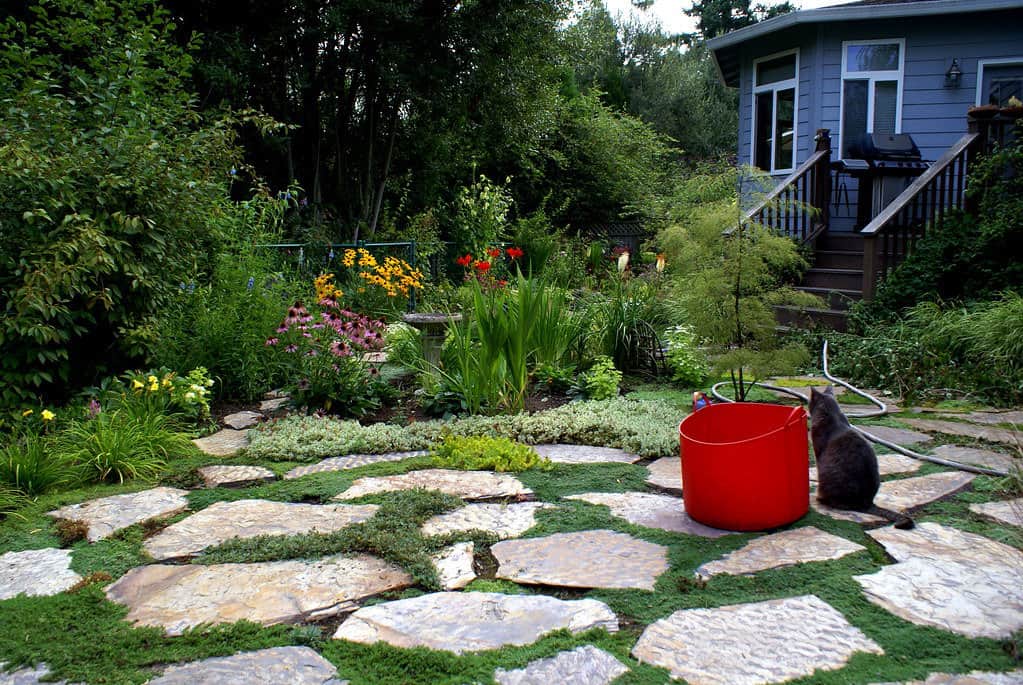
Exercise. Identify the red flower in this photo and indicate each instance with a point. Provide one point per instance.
(483, 267)
(494, 252)
(514, 252)
(502, 283)
(464, 261)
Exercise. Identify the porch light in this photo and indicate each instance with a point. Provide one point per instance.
(954, 75)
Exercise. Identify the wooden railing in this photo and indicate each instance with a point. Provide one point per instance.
(798, 206)
(890, 236)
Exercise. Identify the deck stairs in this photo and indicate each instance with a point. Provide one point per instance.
(836, 277)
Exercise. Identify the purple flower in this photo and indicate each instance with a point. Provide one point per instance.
(291, 348)
(93, 408)
(252, 282)
(271, 341)
(307, 335)
(282, 329)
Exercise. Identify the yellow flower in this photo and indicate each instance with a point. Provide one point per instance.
(27, 412)
(154, 386)
(48, 415)
(166, 382)
(137, 384)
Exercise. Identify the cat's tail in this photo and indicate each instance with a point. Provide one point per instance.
(898, 519)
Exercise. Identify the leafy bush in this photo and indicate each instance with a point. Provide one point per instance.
(481, 211)
(688, 365)
(627, 318)
(404, 345)
(30, 465)
(162, 391)
(538, 240)
(602, 380)
(471, 453)
(369, 286)
(11, 498)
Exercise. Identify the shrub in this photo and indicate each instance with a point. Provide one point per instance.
(688, 365)
(161, 391)
(471, 453)
(602, 380)
(481, 210)
(11, 498)
(30, 465)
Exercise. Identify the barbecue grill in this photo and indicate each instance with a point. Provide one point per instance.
(884, 165)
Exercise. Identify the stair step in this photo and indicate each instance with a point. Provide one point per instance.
(838, 259)
(794, 317)
(835, 298)
(833, 279)
(840, 241)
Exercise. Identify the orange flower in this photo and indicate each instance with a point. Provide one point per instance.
(514, 252)
(464, 261)
(482, 267)
(494, 252)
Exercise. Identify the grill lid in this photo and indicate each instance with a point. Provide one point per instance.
(885, 146)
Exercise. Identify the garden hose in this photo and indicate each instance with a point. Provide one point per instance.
(880, 411)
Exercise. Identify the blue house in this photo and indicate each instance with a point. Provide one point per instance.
(863, 112)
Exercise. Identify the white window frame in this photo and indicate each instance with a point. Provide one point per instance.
(999, 62)
(792, 83)
(871, 77)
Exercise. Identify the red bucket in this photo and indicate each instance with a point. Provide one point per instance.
(745, 465)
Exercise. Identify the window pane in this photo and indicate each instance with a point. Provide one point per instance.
(1003, 82)
(879, 57)
(784, 129)
(776, 70)
(762, 140)
(886, 94)
(854, 112)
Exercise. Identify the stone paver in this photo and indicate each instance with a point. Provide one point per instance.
(584, 454)
(899, 436)
(584, 665)
(666, 474)
(242, 420)
(908, 493)
(750, 644)
(274, 666)
(652, 511)
(787, 548)
(27, 676)
(350, 461)
(972, 678)
(462, 622)
(469, 485)
(180, 597)
(590, 559)
(108, 515)
(225, 476)
(859, 517)
(454, 565)
(887, 465)
(503, 520)
(274, 405)
(248, 518)
(977, 457)
(223, 443)
(1009, 511)
(36, 573)
(969, 430)
(1013, 417)
(949, 579)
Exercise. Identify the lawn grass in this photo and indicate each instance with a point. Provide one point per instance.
(84, 638)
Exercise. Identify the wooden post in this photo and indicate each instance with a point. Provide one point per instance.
(822, 177)
(869, 267)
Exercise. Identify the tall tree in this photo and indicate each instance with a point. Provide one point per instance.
(717, 17)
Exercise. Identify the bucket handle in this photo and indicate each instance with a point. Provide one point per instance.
(796, 414)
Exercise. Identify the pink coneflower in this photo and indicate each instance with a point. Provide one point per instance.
(271, 341)
(291, 348)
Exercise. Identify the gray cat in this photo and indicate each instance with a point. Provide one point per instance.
(847, 474)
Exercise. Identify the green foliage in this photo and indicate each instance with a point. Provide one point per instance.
(688, 364)
(161, 391)
(625, 319)
(487, 453)
(602, 379)
(11, 498)
(404, 345)
(30, 465)
(481, 211)
(537, 239)
(110, 185)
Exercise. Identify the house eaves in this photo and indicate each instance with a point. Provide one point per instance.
(725, 48)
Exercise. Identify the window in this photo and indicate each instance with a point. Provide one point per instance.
(998, 80)
(871, 89)
(774, 111)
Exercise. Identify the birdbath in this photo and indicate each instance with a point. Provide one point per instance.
(434, 326)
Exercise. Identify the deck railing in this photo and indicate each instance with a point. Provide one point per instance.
(798, 206)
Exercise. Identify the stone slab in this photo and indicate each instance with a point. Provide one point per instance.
(787, 548)
(666, 474)
(1012, 417)
(978, 457)
(584, 665)
(588, 559)
(972, 678)
(223, 443)
(274, 666)
(243, 420)
(503, 520)
(887, 465)
(229, 476)
(274, 405)
(454, 565)
(1009, 511)
(462, 622)
(27, 676)
(652, 511)
(969, 430)
(108, 515)
(899, 436)
(751, 644)
(859, 517)
(909, 493)
(180, 597)
(949, 579)
(350, 461)
(248, 518)
(469, 485)
(36, 573)
(585, 454)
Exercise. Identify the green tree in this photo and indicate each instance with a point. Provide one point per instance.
(717, 17)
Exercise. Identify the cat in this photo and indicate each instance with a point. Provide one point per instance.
(847, 473)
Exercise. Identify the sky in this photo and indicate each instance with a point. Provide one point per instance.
(671, 13)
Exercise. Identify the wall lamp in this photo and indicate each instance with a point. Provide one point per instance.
(954, 75)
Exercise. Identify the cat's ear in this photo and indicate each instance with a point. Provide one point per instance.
(814, 394)
(830, 391)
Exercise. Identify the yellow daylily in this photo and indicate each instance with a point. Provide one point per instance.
(48, 415)
(137, 384)
(27, 412)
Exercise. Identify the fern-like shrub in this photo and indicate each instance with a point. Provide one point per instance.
(472, 453)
